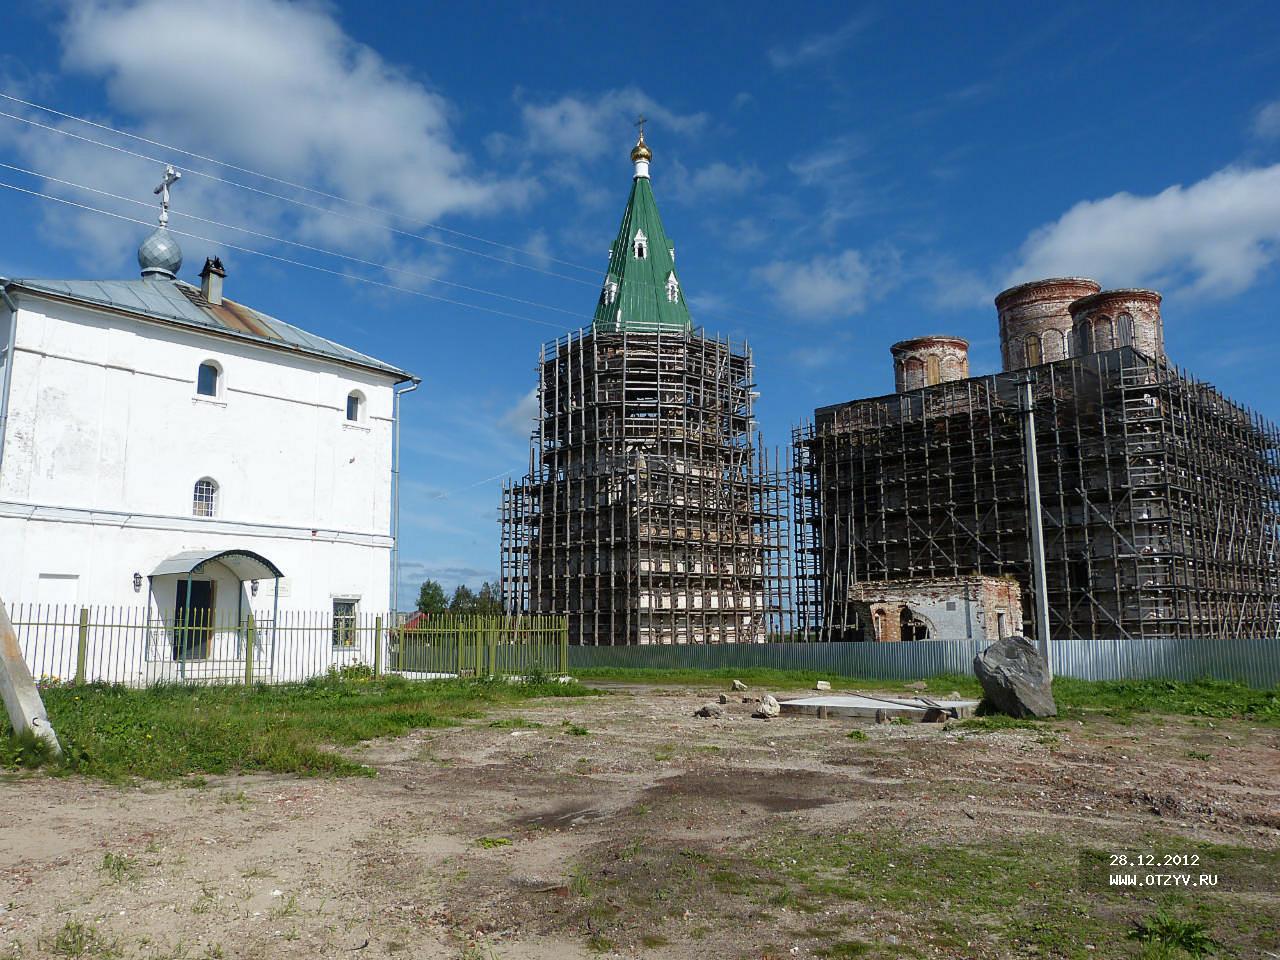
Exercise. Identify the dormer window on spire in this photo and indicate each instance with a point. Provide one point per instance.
(610, 292)
(640, 245)
(673, 288)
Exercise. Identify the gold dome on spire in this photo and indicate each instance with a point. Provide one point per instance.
(641, 150)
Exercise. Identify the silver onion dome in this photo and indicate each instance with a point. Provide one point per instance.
(159, 256)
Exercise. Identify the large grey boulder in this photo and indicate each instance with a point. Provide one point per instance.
(1015, 679)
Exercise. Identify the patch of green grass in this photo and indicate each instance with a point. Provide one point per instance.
(79, 939)
(573, 730)
(859, 735)
(844, 949)
(171, 731)
(490, 843)
(24, 750)
(1170, 936)
(118, 868)
(997, 888)
(1201, 698)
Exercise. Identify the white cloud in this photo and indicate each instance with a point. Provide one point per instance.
(575, 127)
(715, 180)
(271, 86)
(833, 161)
(819, 46)
(839, 285)
(1266, 122)
(519, 418)
(1213, 237)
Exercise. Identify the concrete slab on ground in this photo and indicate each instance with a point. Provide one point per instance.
(861, 705)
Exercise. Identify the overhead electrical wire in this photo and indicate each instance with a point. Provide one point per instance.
(302, 203)
(295, 243)
(279, 259)
(328, 211)
(288, 183)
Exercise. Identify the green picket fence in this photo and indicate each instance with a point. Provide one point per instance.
(139, 646)
(480, 646)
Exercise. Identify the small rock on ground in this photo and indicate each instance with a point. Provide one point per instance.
(713, 711)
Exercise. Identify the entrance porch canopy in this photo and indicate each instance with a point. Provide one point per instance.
(245, 564)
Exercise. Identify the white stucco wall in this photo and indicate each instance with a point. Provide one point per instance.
(106, 438)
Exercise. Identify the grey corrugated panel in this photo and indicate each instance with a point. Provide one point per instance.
(1256, 662)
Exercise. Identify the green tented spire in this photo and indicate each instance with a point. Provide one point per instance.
(642, 293)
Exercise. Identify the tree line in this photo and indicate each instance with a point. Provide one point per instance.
(485, 602)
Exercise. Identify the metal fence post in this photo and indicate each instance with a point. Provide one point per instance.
(491, 668)
(377, 646)
(564, 647)
(82, 646)
(248, 653)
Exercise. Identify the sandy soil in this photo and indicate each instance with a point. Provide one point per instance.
(526, 842)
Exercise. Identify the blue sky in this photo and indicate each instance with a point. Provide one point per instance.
(835, 178)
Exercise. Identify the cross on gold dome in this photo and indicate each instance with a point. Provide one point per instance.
(641, 150)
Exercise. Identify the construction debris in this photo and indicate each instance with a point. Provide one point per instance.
(712, 711)
(822, 685)
(738, 686)
(768, 709)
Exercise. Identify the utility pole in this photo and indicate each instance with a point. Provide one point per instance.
(1040, 579)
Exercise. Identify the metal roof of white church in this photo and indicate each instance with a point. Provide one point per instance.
(173, 301)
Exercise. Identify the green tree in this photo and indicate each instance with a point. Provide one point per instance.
(487, 602)
(431, 598)
(464, 600)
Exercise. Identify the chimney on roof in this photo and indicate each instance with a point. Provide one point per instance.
(211, 278)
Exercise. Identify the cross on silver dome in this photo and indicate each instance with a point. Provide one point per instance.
(159, 256)
(171, 176)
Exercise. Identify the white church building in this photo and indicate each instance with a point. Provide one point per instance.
(163, 446)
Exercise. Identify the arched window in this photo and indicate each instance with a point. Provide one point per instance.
(204, 498)
(933, 370)
(209, 379)
(1035, 355)
(1124, 330)
(640, 246)
(355, 406)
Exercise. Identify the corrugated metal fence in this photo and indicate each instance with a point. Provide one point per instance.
(1255, 662)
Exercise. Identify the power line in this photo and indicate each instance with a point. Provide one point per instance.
(295, 243)
(287, 183)
(302, 203)
(279, 259)
(328, 211)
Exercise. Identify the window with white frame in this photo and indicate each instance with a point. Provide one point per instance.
(640, 245)
(344, 622)
(209, 379)
(204, 498)
(355, 406)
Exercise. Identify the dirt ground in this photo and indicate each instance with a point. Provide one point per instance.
(622, 824)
